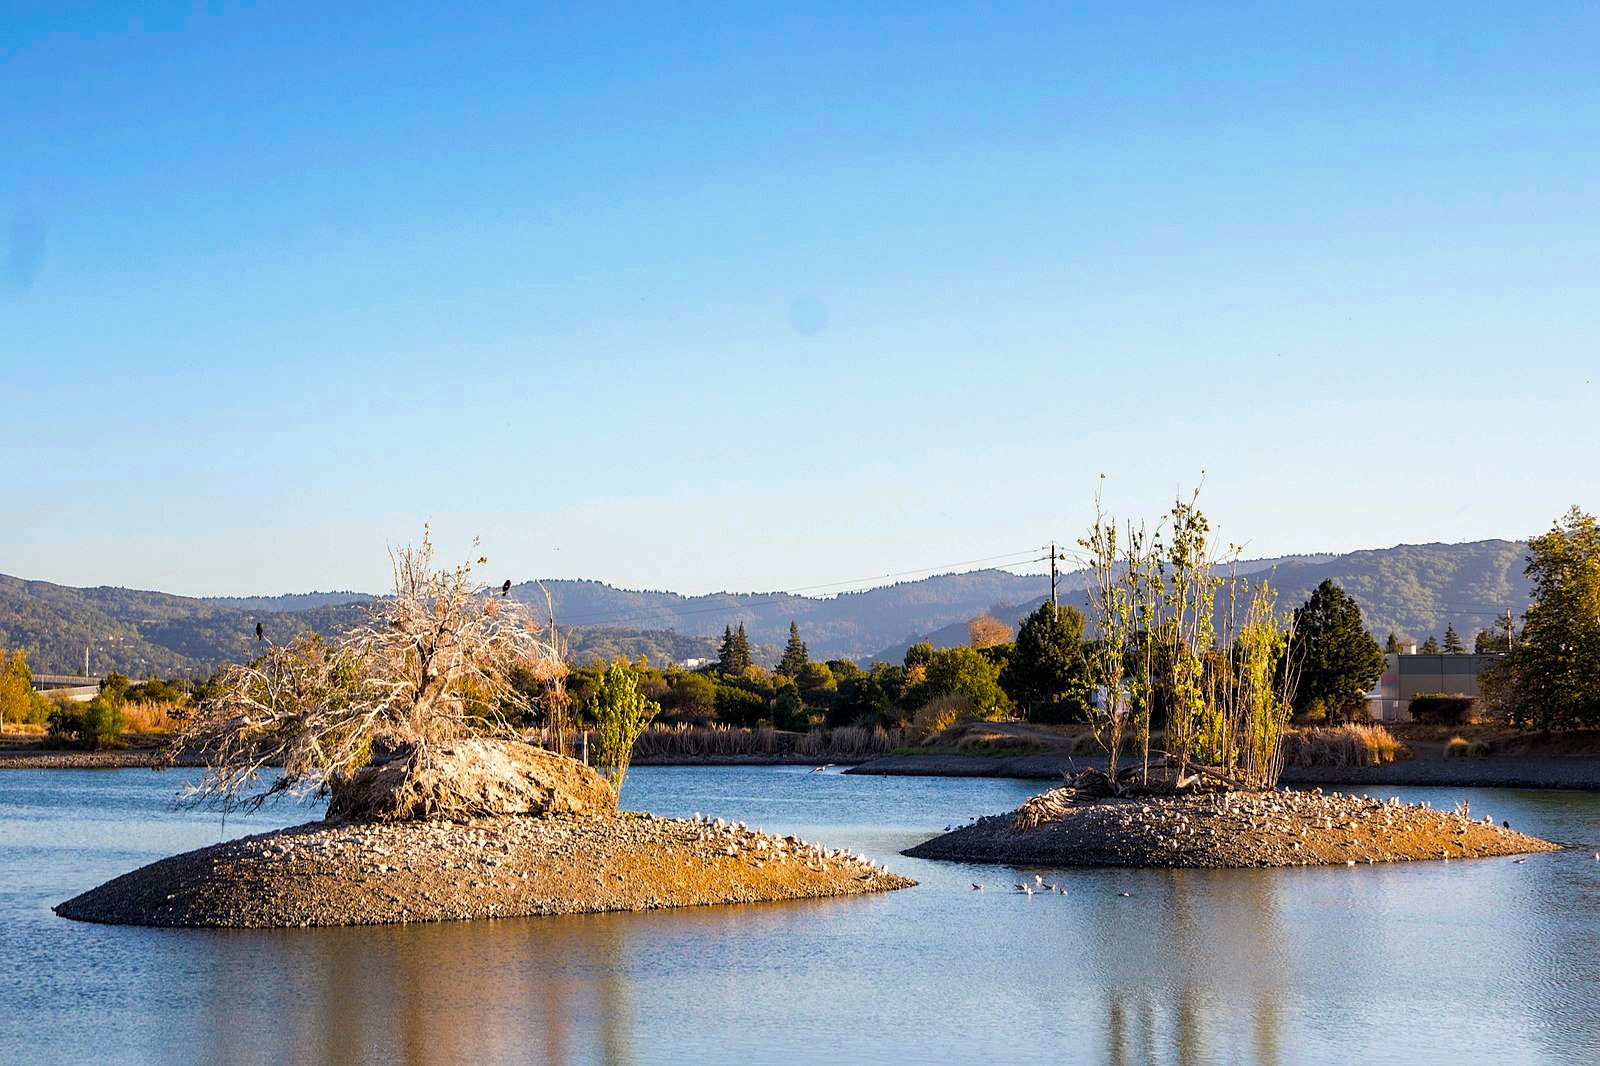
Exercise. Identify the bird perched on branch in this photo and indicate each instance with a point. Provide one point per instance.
(505, 590)
(258, 631)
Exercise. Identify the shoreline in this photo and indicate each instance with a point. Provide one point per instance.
(1560, 772)
(1568, 772)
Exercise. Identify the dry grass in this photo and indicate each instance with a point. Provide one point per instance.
(1087, 744)
(148, 717)
(1345, 745)
(699, 741)
(938, 715)
(1462, 748)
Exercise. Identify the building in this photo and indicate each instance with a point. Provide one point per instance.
(1409, 675)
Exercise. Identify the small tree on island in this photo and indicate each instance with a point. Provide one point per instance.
(1223, 668)
(430, 666)
(620, 713)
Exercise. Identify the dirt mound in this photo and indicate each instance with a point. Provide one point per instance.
(469, 779)
(357, 873)
(1068, 827)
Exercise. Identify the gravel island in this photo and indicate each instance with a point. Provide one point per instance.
(357, 873)
(1066, 827)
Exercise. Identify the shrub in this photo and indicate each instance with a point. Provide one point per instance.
(95, 725)
(937, 715)
(1438, 708)
(1346, 745)
(1461, 748)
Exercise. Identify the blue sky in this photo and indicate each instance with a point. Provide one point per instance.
(700, 299)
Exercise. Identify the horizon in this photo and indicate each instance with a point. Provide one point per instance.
(883, 581)
(755, 299)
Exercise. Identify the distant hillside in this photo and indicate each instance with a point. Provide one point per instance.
(291, 601)
(1414, 590)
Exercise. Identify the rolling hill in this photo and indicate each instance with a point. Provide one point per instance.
(1412, 589)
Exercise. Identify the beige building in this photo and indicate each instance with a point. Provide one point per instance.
(1409, 675)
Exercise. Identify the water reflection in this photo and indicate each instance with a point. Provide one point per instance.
(1193, 965)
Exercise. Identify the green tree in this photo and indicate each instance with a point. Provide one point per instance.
(919, 654)
(1430, 646)
(1551, 678)
(817, 684)
(1452, 641)
(1049, 663)
(1494, 640)
(620, 713)
(1392, 645)
(734, 657)
(692, 696)
(966, 671)
(1337, 658)
(795, 654)
(17, 698)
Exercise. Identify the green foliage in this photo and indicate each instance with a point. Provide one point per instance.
(1551, 678)
(795, 654)
(1048, 670)
(1430, 646)
(691, 697)
(1441, 709)
(734, 655)
(816, 684)
(1337, 658)
(868, 698)
(919, 654)
(965, 671)
(95, 725)
(1494, 640)
(620, 713)
(1452, 641)
(1392, 645)
(18, 701)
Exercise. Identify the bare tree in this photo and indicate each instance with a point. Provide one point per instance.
(429, 666)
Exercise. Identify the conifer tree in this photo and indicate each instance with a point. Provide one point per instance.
(1430, 646)
(741, 650)
(795, 654)
(1338, 660)
(1392, 645)
(1452, 641)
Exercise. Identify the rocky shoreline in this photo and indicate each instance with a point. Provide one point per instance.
(361, 873)
(1066, 827)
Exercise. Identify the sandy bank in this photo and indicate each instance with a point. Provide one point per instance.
(1281, 828)
(364, 873)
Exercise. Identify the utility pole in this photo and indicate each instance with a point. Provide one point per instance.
(1052, 573)
(1510, 640)
(86, 660)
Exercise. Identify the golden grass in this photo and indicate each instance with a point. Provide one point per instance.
(1345, 745)
(148, 717)
(938, 715)
(1462, 748)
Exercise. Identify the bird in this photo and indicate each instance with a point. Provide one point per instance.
(258, 630)
(979, 888)
(505, 590)
(1506, 824)
(824, 766)
(1519, 860)
(1123, 893)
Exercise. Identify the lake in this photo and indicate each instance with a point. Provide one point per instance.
(1470, 961)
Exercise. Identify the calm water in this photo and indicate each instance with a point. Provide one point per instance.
(1486, 961)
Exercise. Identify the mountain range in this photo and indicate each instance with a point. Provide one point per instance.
(1414, 590)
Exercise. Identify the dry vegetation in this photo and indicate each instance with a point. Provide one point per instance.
(1346, 745)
